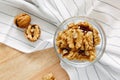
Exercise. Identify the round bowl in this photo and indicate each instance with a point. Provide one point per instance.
(99, 48)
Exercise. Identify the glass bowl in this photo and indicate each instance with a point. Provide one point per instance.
(99, 48)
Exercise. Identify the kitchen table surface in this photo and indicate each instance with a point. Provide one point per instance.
(15, 65)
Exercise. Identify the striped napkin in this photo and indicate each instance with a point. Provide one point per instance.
(49, 14)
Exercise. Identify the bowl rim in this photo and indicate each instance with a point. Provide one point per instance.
(73, 63)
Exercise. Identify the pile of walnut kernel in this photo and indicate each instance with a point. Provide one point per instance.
(78, 42)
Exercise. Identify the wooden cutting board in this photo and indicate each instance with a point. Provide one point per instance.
(15, 65)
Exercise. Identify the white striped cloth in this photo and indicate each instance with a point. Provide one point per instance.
(49, 14)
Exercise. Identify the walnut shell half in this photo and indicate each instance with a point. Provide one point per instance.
(22, 20)
(33, 32)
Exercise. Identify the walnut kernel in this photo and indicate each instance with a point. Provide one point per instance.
(32, 33)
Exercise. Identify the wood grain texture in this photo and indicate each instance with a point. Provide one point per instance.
(15, 65)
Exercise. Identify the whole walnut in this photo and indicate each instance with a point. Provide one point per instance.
(22, 20)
